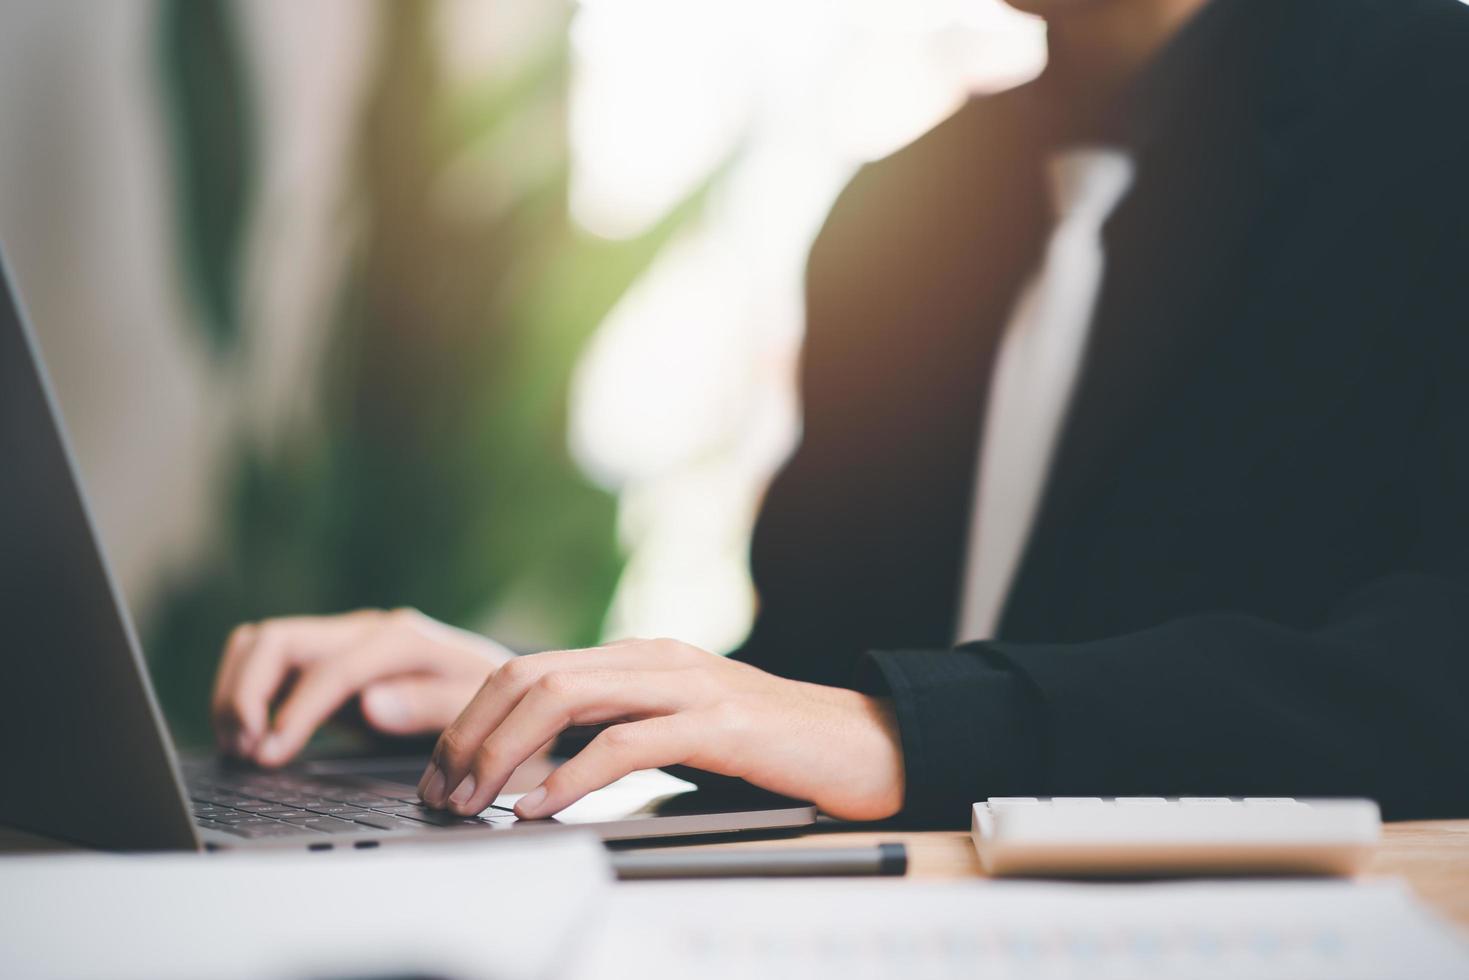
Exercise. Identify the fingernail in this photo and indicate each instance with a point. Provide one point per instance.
(529, 805)
(385, 707)
(433, 793)
(464, 792)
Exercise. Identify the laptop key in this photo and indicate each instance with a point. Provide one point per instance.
(270, 830)
(441, 818)
(291, 799)
(367, 800)
(383, 821)
(332, 825)
(336, 809)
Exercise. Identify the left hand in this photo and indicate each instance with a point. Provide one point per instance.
(412, 674)
(671, 703)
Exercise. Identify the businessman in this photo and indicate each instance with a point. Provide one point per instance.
(1135, 461)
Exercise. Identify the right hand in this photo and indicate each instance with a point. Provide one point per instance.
(413, 675)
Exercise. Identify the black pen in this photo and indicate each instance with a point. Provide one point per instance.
(772, 862)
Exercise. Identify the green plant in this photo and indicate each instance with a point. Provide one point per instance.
(436, 474)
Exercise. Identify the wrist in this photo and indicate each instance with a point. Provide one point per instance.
(888, 799)
(871, 778)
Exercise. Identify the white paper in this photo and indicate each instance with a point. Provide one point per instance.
(490, 908)
(1191, 931)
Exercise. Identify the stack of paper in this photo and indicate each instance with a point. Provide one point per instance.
(486, 909)
(1229, 931)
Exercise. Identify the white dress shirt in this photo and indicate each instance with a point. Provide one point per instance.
(1035, 372)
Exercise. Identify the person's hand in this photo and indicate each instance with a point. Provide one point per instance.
(413, 675)
(672, 703)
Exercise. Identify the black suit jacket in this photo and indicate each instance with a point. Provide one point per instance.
(1250, 574)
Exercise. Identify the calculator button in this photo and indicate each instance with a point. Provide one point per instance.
(1077, 800)
(1205, 801)
(1141, 801)
(1013, 800)
(1270, 801)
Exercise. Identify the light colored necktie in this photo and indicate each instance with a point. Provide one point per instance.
(1035, 371)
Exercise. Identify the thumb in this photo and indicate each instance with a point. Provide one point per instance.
(413, 705)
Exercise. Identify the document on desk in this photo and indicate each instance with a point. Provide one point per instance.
(490, 909)
(1190, 931)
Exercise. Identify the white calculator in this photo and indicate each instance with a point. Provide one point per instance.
(1154, 835)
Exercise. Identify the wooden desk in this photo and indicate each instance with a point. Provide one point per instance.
(1433, 855)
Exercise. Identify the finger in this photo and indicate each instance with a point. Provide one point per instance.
(325, 686)
(412, 705)
(503, 691)
(279, 647)
(261, 675)
(557, 700)
(617, 751)
(226, 722)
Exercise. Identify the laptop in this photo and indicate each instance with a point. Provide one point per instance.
(86, 754)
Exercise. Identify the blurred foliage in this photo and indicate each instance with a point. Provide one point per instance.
(213, 153)
(438, 474)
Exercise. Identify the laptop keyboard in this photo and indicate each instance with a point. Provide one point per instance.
(287, 805)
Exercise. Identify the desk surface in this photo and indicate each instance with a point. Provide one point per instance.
(1433, 856)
